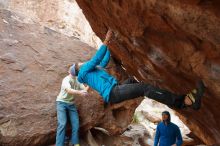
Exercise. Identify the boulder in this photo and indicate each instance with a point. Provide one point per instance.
(168, 43)
(33, 61)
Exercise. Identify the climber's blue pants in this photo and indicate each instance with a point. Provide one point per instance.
(62, 110)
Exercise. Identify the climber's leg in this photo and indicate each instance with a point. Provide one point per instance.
(193, 99)
(129, 91)
(163, 96)
(124, 92)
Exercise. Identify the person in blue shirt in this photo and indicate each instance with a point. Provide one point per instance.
(93, 74)
(167, 133)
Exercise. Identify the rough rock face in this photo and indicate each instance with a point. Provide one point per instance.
(63, 16)
(33, 62)
(135, 135)
(169, 43)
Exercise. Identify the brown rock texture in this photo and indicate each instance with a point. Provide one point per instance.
(63, 16)
(135, 135)
(33, 62)
(169, 43)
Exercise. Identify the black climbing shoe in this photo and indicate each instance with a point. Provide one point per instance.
(196, 95)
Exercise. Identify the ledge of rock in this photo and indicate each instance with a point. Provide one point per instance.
(168, 43)
(33, 62)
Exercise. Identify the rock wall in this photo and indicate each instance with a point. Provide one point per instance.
(63, 16)
(33, 61)
(169, 43)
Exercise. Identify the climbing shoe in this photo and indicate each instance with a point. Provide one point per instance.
(196, 95)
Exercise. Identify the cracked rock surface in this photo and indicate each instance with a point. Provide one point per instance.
(33, 62)
(168, 43)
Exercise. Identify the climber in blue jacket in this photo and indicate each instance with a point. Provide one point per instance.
(167, 133)
(93, 74)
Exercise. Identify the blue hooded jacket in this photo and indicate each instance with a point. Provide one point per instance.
(167, 135)
(96, 77)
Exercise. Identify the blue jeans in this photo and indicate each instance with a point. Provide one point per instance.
(62, 110)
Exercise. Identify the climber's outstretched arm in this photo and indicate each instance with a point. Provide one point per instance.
(102, 54)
